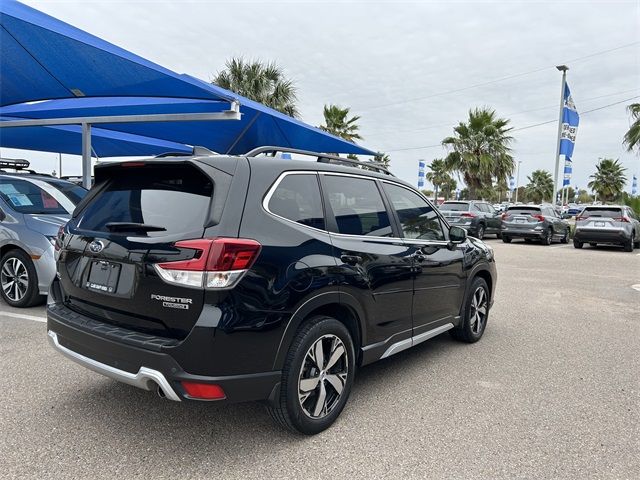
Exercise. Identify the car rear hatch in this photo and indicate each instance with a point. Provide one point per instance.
(593, 218)
(456, 212)
(140, 220)
(522, 217)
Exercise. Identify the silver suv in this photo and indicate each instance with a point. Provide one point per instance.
(611, 224)
(32, 209)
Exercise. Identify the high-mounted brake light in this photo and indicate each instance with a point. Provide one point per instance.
(217, 263)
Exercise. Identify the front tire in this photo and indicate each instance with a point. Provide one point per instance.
(565, 239)
(476, 313)
(19, 280)
(316, 378)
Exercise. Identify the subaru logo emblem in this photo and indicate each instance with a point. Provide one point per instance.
(96, 246)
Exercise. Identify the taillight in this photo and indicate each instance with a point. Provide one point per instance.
(622, 219)
(217, 263)
(539, 217)
(579, 219)
(468, 215)
(504, 215)
(203, 391)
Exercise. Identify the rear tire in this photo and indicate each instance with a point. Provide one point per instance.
(577, 244)
(628, 246)
(548, 237)
(565, 239)
(19, 280)
(480, 232)
(304, 406)
(476, 313)
(506, 239)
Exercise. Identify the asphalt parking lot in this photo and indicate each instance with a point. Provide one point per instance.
(551, 391)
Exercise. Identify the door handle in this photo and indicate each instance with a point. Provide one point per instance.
(351, 259)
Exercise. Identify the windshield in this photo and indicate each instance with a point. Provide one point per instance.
(33, 197)
(455, 206)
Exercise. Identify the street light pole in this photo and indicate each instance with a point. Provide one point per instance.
(563, 69)
(517, 180)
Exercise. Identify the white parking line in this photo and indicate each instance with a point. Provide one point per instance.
(22, 316)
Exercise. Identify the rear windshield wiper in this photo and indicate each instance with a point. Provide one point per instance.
(133, 227)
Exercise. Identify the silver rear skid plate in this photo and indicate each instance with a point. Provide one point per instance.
(146, 378)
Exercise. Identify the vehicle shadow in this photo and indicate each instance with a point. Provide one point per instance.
(108, 409)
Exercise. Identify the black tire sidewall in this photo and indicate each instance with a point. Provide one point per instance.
(464, 331)
(33, 293)
(298, 418)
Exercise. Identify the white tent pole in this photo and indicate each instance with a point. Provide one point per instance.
(86, 155)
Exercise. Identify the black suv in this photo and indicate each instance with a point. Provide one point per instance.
(475, 216)
(259, 278)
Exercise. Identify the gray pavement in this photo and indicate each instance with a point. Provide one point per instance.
(551, 391)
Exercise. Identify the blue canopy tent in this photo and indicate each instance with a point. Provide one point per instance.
(55, 75)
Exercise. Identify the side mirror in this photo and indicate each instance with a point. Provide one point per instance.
(457, 235)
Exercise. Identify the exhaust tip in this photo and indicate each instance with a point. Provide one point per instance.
(160, 392)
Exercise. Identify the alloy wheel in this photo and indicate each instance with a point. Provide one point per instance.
(323, 376)
(14, 279)
(478, 313)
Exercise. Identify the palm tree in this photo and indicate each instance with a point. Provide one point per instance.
(609, 179)
(438, 175)
(448, 188)
(540, 186)
(480, 149)
(337, 123)
(383, 159)
(632, 137)
(262, 82)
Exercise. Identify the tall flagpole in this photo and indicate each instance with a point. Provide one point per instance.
(563, 69)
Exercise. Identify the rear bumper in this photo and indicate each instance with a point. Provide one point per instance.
(145, 368)
(522, 233)
(601, 235)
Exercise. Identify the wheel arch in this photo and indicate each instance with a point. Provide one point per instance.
(343, 307)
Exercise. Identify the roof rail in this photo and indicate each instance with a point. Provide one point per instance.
(321, 157)
(16, 163)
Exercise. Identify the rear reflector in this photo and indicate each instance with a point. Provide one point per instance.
(203, 391)
(217, 262)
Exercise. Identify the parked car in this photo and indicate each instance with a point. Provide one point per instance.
(534, 222)
(259, 279)
(574, 209)
(475, 216)
(608, 224)
(32, 209)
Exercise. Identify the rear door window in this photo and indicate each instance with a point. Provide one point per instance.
(602, 212)
(417, 218)
(357, 206)
(175, 198)
(297, 198)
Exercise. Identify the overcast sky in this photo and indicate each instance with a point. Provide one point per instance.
(409, 69)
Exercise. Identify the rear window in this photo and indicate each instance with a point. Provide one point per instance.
(523, 210)
(454, 206)
(602, 212)
(74, 192)
(28, 198)
(174, 198)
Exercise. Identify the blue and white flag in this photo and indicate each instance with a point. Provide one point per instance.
(570, 121)
(421, 166)
(512, 184)
(634, 185)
